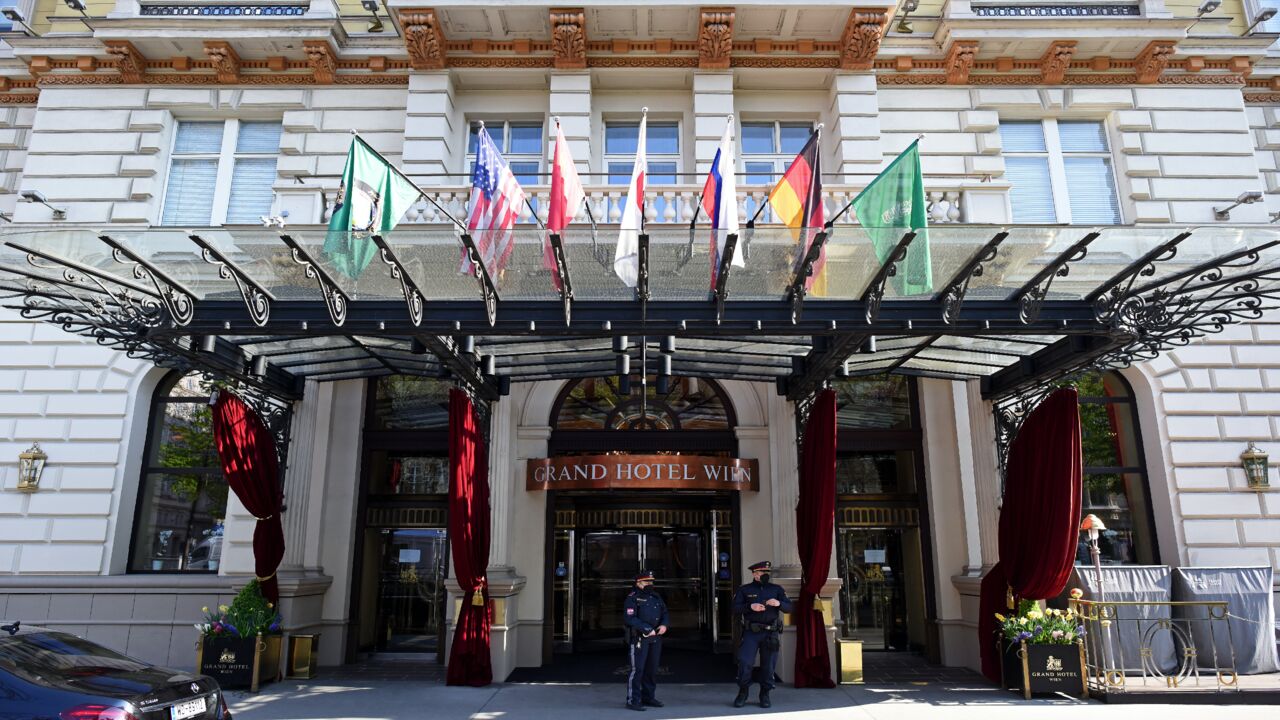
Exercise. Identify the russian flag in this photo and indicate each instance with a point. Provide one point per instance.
(720, 201)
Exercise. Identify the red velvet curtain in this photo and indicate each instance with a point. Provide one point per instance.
(247, 451)
(815, 529)
(469, 662)
(1040, 516)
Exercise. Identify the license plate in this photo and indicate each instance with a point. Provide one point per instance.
(188, 709)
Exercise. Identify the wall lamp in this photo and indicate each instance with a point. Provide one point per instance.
(30, 468)
(1205, 8)
(375, 25)
(908, 7)
(35, 196)
(13, 15)
(77, 5)
(1255, 464)
(1246, 198)
(1264, 15)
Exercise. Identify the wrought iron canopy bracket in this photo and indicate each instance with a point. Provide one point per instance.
(873, 295)
(464, 368)
(1108, 297)
(257, 299)
(563, 281)
(721, 291)
(642, 274)
(488, 291)
(1032, 295)
(952, 294)
(799, 284)
(413, 297)
(178, 300)
(276, 413)
(335, 299)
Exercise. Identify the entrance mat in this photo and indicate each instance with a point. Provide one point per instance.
(680, 666)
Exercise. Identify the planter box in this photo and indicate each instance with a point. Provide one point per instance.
(239, 663)
(1047, 669)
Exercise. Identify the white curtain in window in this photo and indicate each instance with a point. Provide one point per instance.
(251, 193)
(1032, 192)
(188, 199)
(1092, 190)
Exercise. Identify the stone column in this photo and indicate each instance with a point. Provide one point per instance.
(966, 451)
(297, 477)
(712, 104)
(570, 100)
(432, 136)
(784, 471)
(981, 425)
(853, 126)
(501, 482)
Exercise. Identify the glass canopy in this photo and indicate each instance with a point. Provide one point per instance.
(1013, 306)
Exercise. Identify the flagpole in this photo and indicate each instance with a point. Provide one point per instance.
(461, 226)
(845, 209)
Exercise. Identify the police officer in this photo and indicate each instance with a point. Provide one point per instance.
(646, 621)
(760, 605)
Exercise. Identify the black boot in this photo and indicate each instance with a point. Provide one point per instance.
(742, 696)
(764, 698)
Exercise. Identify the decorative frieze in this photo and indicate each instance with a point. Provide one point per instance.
(1057, 10)
(959, 61)
(715, 38)
(569, 38)
(423, 38)
(129, 61)
(861, 39)
(226, 63)
(224, 10)
(1153, 60)
(1055, 61)
(321, 60)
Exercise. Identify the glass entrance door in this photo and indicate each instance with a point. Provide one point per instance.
(608, 561)
(881, 598)
(411, 593)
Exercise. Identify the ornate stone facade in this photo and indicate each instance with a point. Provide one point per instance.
(131, 64)
(423, 39)
(861, 39)
(960, 60)
(715, 38)
(569, 39)
(1055, 61)
(226, 63)
(1153, 60)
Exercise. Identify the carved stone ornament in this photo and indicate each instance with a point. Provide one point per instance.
(1055, 61)
(569, 38)
(131, 64)
(959, 61)
(715, 38)
(861, 39)
(226, 63)
(322, 60)
(423, 38)
(1152, 61)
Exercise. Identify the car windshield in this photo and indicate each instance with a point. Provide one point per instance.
(59, 652)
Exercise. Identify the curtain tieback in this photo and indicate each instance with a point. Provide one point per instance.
(261, 519)
(1008, 597)
(264, 579)
(477, 597)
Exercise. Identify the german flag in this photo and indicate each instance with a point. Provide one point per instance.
(797, 198)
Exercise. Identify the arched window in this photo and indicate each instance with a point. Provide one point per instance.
(1115, 471)
(589, 411)
(182, 499)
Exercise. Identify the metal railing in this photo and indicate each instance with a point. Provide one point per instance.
(1165, 645)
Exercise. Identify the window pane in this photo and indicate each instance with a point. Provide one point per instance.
(620, 172)
(1092, 190)
(404, 402)
(757, 138)
(662, 139)
(1120, 501)
(657, 173)
(401, 474)
(199, 137)
(526, 173)
(620, 138)
(1082, 136)
(188, 199)
(258, 137)
(876, 403)
(1032, 191)
(875, 473)
(184, 436)
(495, 133)
(794, 136)
(760, 173)
(526, 139)
(251, 193)
(1022, 136)
(180, 523)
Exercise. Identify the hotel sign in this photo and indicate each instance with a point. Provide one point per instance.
(643, 472)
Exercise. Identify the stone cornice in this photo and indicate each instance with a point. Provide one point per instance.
(568, 38)
(715, 38)
(861, 39)
(423, 38)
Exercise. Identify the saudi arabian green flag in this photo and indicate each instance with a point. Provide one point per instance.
(890, 206)
(372, 199)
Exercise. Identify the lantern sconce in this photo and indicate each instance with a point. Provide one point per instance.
(1254, 461)
(30, 468)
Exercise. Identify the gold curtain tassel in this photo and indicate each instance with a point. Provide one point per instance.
(1008, 597)
(477, 598)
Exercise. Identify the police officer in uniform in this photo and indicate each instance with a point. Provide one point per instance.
(646, 621)
(759, 604)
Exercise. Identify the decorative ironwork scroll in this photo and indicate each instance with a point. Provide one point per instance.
(335, 299)
(1031, 296)
(488, 292)
(564, 282)
(799, 283)
(413, 297)
(1106, 298)
(952, 295)
(257, 299)
(721, 291)
(873, 296)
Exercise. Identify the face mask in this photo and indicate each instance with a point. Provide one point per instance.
(764, 579)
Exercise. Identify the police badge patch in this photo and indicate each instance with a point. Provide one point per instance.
(631, 611)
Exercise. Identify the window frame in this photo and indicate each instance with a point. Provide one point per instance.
(163, 395)
(675, 158)
(779, 158)
(1058, 169)
(539, 158)
(226, 158)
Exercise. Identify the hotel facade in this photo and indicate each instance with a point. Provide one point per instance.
(148, 122)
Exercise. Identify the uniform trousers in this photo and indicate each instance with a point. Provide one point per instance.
(753, 642)
(642, 683)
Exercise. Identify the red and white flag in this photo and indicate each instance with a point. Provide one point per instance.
(626, 257)
(566, 197)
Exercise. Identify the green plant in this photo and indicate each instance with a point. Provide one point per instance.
(248, 615)
(1041, 627)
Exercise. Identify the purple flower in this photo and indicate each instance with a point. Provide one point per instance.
(275, 627)
(1080, 630)
(232, 629)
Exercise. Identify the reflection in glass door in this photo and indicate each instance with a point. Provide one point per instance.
(411, 593)
(880, 601)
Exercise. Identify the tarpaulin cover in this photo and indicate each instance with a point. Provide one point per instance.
(1248, 593)
(1132, 583)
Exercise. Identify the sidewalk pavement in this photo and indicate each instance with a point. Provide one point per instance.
(380, 699)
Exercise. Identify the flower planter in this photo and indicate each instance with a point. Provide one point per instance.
(1048, 669)
(239, 663)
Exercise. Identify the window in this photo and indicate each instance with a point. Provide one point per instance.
(519, 142)
(769, 147)
(1060, 171)
(182, 501)
(221, 172)
(1115, 474)
(662, 151)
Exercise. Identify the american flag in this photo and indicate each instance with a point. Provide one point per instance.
(496, 202)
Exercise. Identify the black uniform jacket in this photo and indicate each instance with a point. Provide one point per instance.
(645, 611)
(754, 592)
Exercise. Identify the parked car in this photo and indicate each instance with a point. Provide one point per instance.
(51, 675)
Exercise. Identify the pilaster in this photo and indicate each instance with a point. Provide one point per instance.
(432, 136)
(986, 471)
(712, 105)
(854, 126)
(501, 484)
(784, 462)
(570, 100)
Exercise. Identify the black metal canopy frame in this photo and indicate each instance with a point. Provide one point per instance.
(1019, 308)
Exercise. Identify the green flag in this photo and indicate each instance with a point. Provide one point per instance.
(890, 206)
(372, 199)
